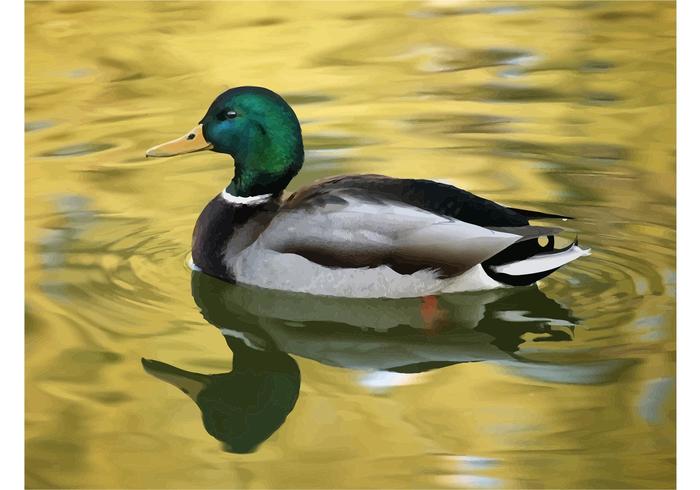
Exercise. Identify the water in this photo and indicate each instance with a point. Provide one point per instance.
(566, 107)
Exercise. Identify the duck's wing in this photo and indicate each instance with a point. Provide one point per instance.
(369, 221)
(436, 197)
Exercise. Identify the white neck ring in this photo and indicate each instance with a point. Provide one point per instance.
(250, 200)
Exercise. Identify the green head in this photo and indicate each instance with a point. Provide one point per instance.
(258, 129)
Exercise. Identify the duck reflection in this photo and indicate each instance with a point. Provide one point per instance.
(385, 334)
(244, 407)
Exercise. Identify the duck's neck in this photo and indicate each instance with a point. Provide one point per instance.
(264, 173)
(248, 184)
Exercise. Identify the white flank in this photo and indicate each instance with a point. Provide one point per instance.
(259, 199)
(542, 262)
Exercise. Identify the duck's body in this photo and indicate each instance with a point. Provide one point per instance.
(352, 236)
(372, 236)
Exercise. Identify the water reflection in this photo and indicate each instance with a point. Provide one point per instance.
(400, 335)
(386, 339)
(245, 406)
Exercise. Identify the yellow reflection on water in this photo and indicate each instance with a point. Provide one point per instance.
(566, 107)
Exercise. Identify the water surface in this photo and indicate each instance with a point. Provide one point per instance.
(564, 107)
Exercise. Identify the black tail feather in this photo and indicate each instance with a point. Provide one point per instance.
(538, 214)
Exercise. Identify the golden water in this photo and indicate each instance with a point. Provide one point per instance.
(566, 107)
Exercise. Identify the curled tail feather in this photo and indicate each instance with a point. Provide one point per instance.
(526, 262)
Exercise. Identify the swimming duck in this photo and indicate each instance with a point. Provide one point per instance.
(351, 236)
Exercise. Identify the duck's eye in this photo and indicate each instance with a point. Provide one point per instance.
(226, 115)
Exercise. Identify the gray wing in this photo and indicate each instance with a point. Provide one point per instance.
(435, 197)
(349, 231)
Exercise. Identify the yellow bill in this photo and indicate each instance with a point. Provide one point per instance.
(189, 143)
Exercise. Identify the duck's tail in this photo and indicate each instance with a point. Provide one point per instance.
(527, 261)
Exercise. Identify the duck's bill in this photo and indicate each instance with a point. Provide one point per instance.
(189, 143)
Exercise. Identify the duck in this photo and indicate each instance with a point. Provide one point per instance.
(354, 236)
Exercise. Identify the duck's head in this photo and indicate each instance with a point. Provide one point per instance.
(258, 129)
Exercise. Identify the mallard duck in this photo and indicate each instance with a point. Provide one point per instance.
(355, 235)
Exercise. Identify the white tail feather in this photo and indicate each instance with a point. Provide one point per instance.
(542, 262)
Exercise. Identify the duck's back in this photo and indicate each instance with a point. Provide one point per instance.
(435, 197)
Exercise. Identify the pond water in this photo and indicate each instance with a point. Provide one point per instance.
(564, 107)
